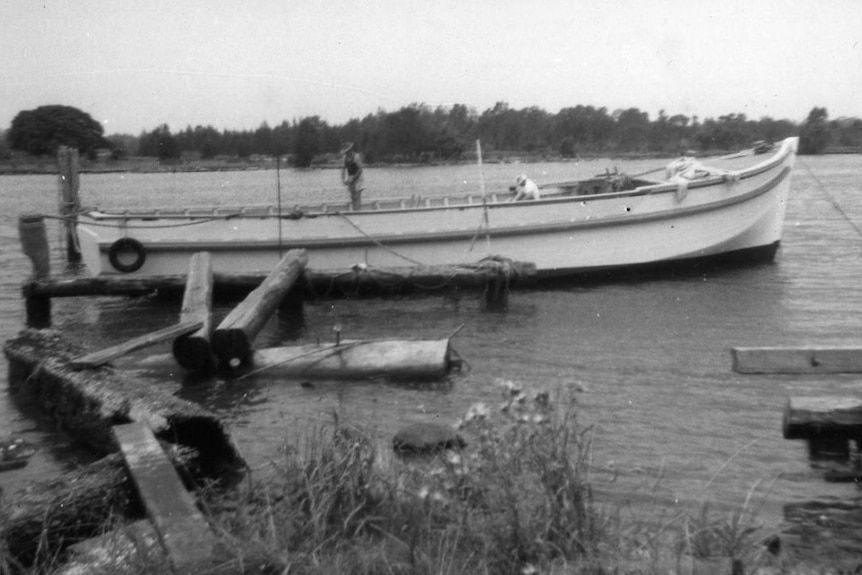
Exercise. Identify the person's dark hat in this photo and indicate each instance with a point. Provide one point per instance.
(346, 147)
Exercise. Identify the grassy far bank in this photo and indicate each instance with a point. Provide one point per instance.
(517, 500)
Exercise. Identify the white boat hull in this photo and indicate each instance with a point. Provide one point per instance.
(562, 235)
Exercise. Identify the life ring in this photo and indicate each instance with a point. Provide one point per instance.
(122, 247)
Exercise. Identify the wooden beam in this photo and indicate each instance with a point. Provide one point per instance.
(814, 417)
(232, 339)
(102, 357)
(184, 533)
(192, 351)
(809, 359)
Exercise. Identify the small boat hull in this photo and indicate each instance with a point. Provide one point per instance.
(565, 233)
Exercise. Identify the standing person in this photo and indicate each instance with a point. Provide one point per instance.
(526, 189)
(351, 174)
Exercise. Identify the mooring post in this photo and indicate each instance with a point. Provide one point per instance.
(34, 243)
(70, 203)
(193, 351)
(496, 296)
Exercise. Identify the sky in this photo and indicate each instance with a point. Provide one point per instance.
(136, 64)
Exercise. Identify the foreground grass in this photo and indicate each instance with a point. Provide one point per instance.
(518, 500)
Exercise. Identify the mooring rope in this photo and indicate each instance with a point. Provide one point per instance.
(829, 197)
(378, 243)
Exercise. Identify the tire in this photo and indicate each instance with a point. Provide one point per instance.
(125, 245)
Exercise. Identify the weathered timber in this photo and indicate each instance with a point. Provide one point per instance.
(828, 423)
(135, 543)
(193, 351)
(34, 243)
(101, 357)
(349, 359)
(316, 284)
(88, 403)
(232, 339)
(809, 359)
(50, 514)
(182, 529)
(70, 201)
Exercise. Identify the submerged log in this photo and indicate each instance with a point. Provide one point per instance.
(193, 351)
(232, 339)
(88, 403)
(809, 359)
(357, 359)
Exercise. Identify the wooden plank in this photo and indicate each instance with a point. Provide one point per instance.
(181, 527)
(102, 357)
(192, 351)
(808, 359)
(814, 417)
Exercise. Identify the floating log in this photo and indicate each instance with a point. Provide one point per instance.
(182, 529)
(99, 358)
(357, 359)
(193, 351)
(88, 403)
(232, 339)
(810, 359)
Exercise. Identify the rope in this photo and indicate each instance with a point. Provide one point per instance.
(378, 243)
(832, 201)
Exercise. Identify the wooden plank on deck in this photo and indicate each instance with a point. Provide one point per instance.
(102, 357)
(182, 529)
(809, 359)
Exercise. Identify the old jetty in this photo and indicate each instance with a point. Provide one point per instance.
(154, 446)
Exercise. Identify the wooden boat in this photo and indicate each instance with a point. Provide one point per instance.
(728, 210)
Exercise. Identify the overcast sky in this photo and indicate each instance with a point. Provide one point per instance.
(135, 64)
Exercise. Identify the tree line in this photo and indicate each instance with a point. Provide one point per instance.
(419, 133)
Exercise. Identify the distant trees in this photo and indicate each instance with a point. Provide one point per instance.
(160, 143)
(420, 133)
(814, 135)
(43, 130)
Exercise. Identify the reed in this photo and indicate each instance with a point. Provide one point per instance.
(518, 500)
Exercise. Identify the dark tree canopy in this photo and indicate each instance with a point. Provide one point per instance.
(43, 130)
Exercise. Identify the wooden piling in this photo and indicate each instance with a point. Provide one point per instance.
(232, 339)
(827, 423)
(193, 351)
(70, 202)
(34, 244)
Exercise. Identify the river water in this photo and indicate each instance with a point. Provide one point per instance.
(671, 422)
